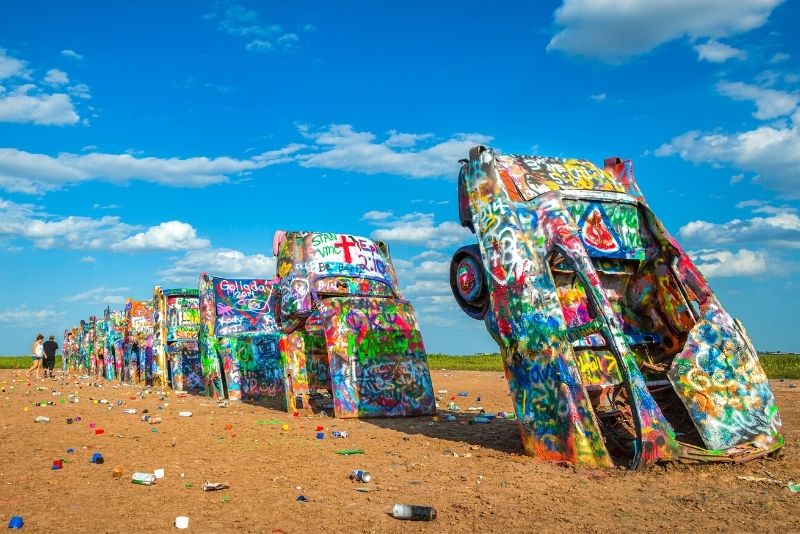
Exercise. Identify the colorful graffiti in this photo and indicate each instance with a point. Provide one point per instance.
(177, 359)
(138, 349)
(347, 329)
(240, 338)
(577, 288)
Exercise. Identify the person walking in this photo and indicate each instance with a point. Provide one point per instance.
(38, 354)
(50, 347)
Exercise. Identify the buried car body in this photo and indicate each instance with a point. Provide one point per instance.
(616, 350)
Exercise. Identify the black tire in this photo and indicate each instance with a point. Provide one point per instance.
(468, 281)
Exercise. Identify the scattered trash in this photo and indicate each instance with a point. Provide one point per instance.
(119, 402)
(339, 434)
(450, 418)
(159, 473)
(41, 419)
(475, 409)
(98, 431)
(478, 398)
(118, 470)
(146, 418)
(181, 522)
(15, 522)
(413, 512)
(284, 427)
(70, 450)
(92, 425)
(129, 411)
(320, 435)
(463, 393)
(185, 414)
(479, 420)
(222, 404)
(301, 498)
(228, 427)
(57, 464)
(792, 386)
(794, 488)
(215, 486)
(453, 407)
(144, 479)
(361, 476)
(97, 458)
(348, 452)
(442, 392)
(188, 485)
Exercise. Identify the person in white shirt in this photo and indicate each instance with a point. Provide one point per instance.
(38, 356)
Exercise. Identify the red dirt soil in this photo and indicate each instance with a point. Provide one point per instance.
(474, 475)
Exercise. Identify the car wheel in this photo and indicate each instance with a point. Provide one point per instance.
(468, 281)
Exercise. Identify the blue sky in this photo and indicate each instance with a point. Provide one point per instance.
(143, 145)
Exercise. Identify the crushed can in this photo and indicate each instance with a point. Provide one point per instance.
(360, 476)
(41, 419)
(214, 486)
(339, 434)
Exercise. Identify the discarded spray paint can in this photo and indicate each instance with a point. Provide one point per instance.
(339, 434)
(129, 410)
(57, 464)
(16, 522)
(463, 393)
(185, 414)
(145, 479)
(413, 513)
(320, 435)
(450, 418)
(360, 476)
(155, 420)
(97, 458)
(479, 420)
(41, 419)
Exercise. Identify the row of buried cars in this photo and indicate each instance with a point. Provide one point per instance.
(616, 351)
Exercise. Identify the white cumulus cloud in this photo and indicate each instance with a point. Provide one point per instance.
(71, 54)
(341, 147)
(56, 77)
(218, 261)
(100, 295)
(716, 52)
(46, 109)
(27, 172)
(170, 235)
(613, 30)
(420, 229)
(724, 263)
(770, 103)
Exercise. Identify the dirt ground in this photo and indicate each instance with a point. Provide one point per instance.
(474, 475)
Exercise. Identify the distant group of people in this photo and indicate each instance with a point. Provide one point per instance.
(44, 356)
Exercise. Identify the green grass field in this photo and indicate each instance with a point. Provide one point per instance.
(775, 365)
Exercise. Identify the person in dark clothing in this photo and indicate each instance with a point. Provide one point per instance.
(50, 348)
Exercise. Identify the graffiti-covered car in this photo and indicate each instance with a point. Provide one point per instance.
(348, 332)
(175, 342)
(138, 342)
(239, 339)
(616, 350)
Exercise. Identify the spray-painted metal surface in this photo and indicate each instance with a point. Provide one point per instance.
(177, 328)
(240, 338)
(138, 350)
(615, 348)
(348, 329)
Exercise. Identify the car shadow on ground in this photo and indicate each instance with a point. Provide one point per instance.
(500, 434)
